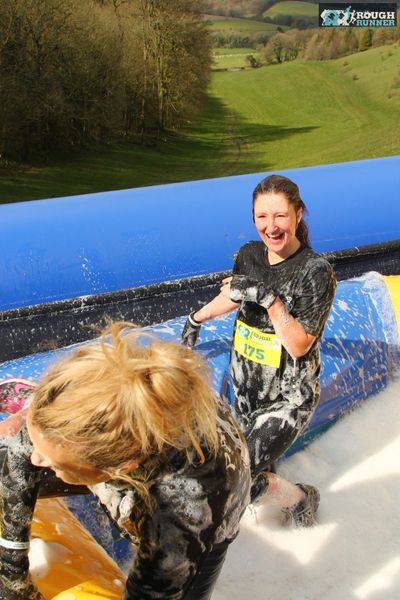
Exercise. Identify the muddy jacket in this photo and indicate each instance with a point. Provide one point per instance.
(195, 506)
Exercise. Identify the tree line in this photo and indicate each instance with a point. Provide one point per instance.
(74, 72)
(324, 44)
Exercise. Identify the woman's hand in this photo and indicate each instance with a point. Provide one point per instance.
(226, 287)
(13, 424)
(243, 288)
(191, 331)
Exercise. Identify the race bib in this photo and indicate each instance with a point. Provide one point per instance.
(262, 348)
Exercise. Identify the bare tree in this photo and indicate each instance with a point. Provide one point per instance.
(73, 72)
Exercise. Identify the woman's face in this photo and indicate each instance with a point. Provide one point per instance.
(68, 464)
(276, 221)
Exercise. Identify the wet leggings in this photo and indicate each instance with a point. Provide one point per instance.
(204, 580)
(206, 577)
(271, 434)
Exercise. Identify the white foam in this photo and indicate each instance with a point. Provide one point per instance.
(354, 551)
(42, 555)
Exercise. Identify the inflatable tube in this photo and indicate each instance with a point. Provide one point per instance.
(56, 324)
(56, 249)
(393, 286)
(86, 591)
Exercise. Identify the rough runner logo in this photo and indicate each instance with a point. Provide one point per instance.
(358, 15)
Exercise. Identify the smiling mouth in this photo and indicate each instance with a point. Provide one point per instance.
(275, 237)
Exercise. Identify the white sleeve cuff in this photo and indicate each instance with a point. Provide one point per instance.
(11, 545)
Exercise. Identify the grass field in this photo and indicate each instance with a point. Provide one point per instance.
(294, 9)
(230, 51)
(290, 115)
(242, 26)
(231, 58)
(304, 113)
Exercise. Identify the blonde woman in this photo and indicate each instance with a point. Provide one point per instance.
(137, 422)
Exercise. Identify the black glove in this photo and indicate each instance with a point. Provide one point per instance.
(190, 331)
(249, 290)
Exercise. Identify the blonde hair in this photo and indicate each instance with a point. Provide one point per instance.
(128, 397)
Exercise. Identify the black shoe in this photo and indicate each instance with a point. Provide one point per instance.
(304, 513)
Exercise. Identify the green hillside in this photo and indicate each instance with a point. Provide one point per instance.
(304, 113)
(289, 115)
(295, 9)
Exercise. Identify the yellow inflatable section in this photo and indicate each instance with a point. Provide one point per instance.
(86, 591)
(393, 285)
(66, 562)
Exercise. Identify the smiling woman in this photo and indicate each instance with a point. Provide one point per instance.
(135, 419)
(283, 291)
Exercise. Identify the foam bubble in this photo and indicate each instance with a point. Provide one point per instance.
(42, 555)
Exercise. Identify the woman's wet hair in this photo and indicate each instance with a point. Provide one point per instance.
(278, 184)
(129, 396)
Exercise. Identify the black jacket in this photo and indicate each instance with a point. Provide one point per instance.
(195, 506)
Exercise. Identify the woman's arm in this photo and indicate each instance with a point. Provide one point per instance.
(12, 424)
(314, 302)
(291, 332)
(220, 305)
(17, 500)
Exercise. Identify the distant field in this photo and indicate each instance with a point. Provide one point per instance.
(230, 51)
(232, 58)
(289, 115)
(295, 9)
(240, 26)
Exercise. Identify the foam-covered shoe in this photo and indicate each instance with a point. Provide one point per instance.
(304, 513)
